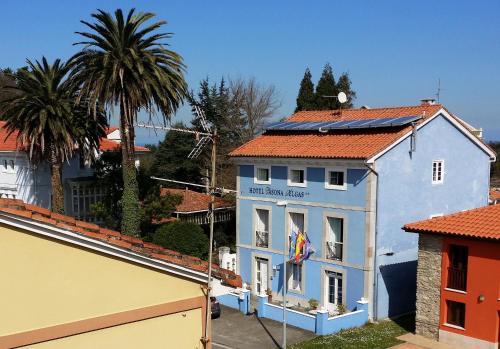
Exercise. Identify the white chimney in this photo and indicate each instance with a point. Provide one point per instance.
(427, 101)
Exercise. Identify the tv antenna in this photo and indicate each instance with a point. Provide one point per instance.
(439, 89)
(341, 97)
(209, 134)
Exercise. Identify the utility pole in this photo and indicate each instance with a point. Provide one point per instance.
(211, 239)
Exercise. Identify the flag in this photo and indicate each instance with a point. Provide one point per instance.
(293, 239)
(308, 249)
(299, 244)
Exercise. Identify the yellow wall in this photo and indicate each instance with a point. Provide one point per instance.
(177, 331)
(45, 283)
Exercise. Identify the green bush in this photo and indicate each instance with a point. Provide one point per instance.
(183, 237)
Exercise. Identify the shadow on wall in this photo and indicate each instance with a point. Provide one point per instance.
(400, 280)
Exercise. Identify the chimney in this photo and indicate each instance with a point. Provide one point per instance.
(427, 101)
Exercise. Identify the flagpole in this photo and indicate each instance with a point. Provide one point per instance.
(283, 204)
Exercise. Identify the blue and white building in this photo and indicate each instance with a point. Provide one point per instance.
(351, 179)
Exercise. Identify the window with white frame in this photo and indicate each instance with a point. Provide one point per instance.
(262, 175)
(296, 222)
(336, 178)
(334, 287)
(297, 177)
(85, 195)
(437, 171)
(334, 238)
(295, 277)
(262, 228)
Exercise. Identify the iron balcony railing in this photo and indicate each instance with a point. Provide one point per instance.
(457, 278)
(262, 238)
(334, 250)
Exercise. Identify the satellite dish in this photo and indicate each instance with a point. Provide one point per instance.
(342, 97)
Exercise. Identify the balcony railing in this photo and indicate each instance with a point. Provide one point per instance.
(457, 279)
(334, 250)
(262, 238)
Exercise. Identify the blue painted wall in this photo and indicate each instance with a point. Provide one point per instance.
(406, 194)
(315, 192)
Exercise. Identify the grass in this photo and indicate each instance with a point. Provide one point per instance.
(371, 336)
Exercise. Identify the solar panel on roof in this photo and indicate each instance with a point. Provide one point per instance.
(340, 125)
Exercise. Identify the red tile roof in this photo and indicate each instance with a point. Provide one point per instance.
(36, 213)
(481, 222)
(10, 143)
(353, 144)
(194, 201)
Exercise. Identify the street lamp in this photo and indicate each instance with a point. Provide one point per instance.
(283, 204)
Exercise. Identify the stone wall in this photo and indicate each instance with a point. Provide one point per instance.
(428, 285)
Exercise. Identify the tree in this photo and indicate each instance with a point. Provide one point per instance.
(306, 98)
(257, 104)
(124, 63)
(171, 161)
(183, 237)
(50, 126)
(7, 84)
(326, 87)
(344, 85)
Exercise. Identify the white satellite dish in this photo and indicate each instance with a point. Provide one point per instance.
(342, 97)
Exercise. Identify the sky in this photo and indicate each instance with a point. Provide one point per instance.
(394, 51)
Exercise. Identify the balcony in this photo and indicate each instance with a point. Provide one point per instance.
(334, 250)
(457, 279)
(262, 239)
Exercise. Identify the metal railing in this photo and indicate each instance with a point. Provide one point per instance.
(457, 279)
(334, 250)
(262, 238)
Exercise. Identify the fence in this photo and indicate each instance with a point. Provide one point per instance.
(319, 323)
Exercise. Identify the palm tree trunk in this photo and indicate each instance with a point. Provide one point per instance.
(56, 184)
(130, 199)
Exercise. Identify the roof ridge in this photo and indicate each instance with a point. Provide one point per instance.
(42, 215)
(374, 109)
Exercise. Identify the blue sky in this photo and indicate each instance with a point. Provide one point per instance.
(394, 51)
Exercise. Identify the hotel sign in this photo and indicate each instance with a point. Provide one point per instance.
(270, 191)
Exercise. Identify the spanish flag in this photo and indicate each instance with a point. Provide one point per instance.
(299, 245)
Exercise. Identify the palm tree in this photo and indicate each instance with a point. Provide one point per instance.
(50, 126)
(124, 63)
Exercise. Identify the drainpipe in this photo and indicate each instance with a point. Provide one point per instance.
(375, 275)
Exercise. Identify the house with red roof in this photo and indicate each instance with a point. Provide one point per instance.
(194, 207)
(458, 278)
(19, 179)
(348, 180)
(72, 284)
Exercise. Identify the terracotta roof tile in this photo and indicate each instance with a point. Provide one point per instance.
(483, 222)
(348, 144)
(10, 143)
(194, 201)
(18, 208)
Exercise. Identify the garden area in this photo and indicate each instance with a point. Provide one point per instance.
(379, 335)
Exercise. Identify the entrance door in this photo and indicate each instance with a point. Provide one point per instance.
(261, 275)
(333, 290)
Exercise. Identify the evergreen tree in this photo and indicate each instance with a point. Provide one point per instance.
(344, 85)
(326, 87)
(171, 161)
(306, 99)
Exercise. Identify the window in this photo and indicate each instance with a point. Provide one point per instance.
(262, 228)
(296, 177)
(437, 171)
(334, 291)
(262, 175)
(456, 314)
(5, 165)
(84, 195)
(296, 222)
(334, 238)
(11, 163)
(294, 277)
(336, 179)
(457, 269)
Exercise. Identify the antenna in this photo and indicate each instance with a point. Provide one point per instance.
(439, 89)
(341, 97)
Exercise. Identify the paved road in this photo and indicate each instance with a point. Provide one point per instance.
(234, 330)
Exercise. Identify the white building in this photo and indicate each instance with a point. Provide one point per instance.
(19, 179)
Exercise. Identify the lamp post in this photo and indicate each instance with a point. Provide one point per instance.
(283, 204)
